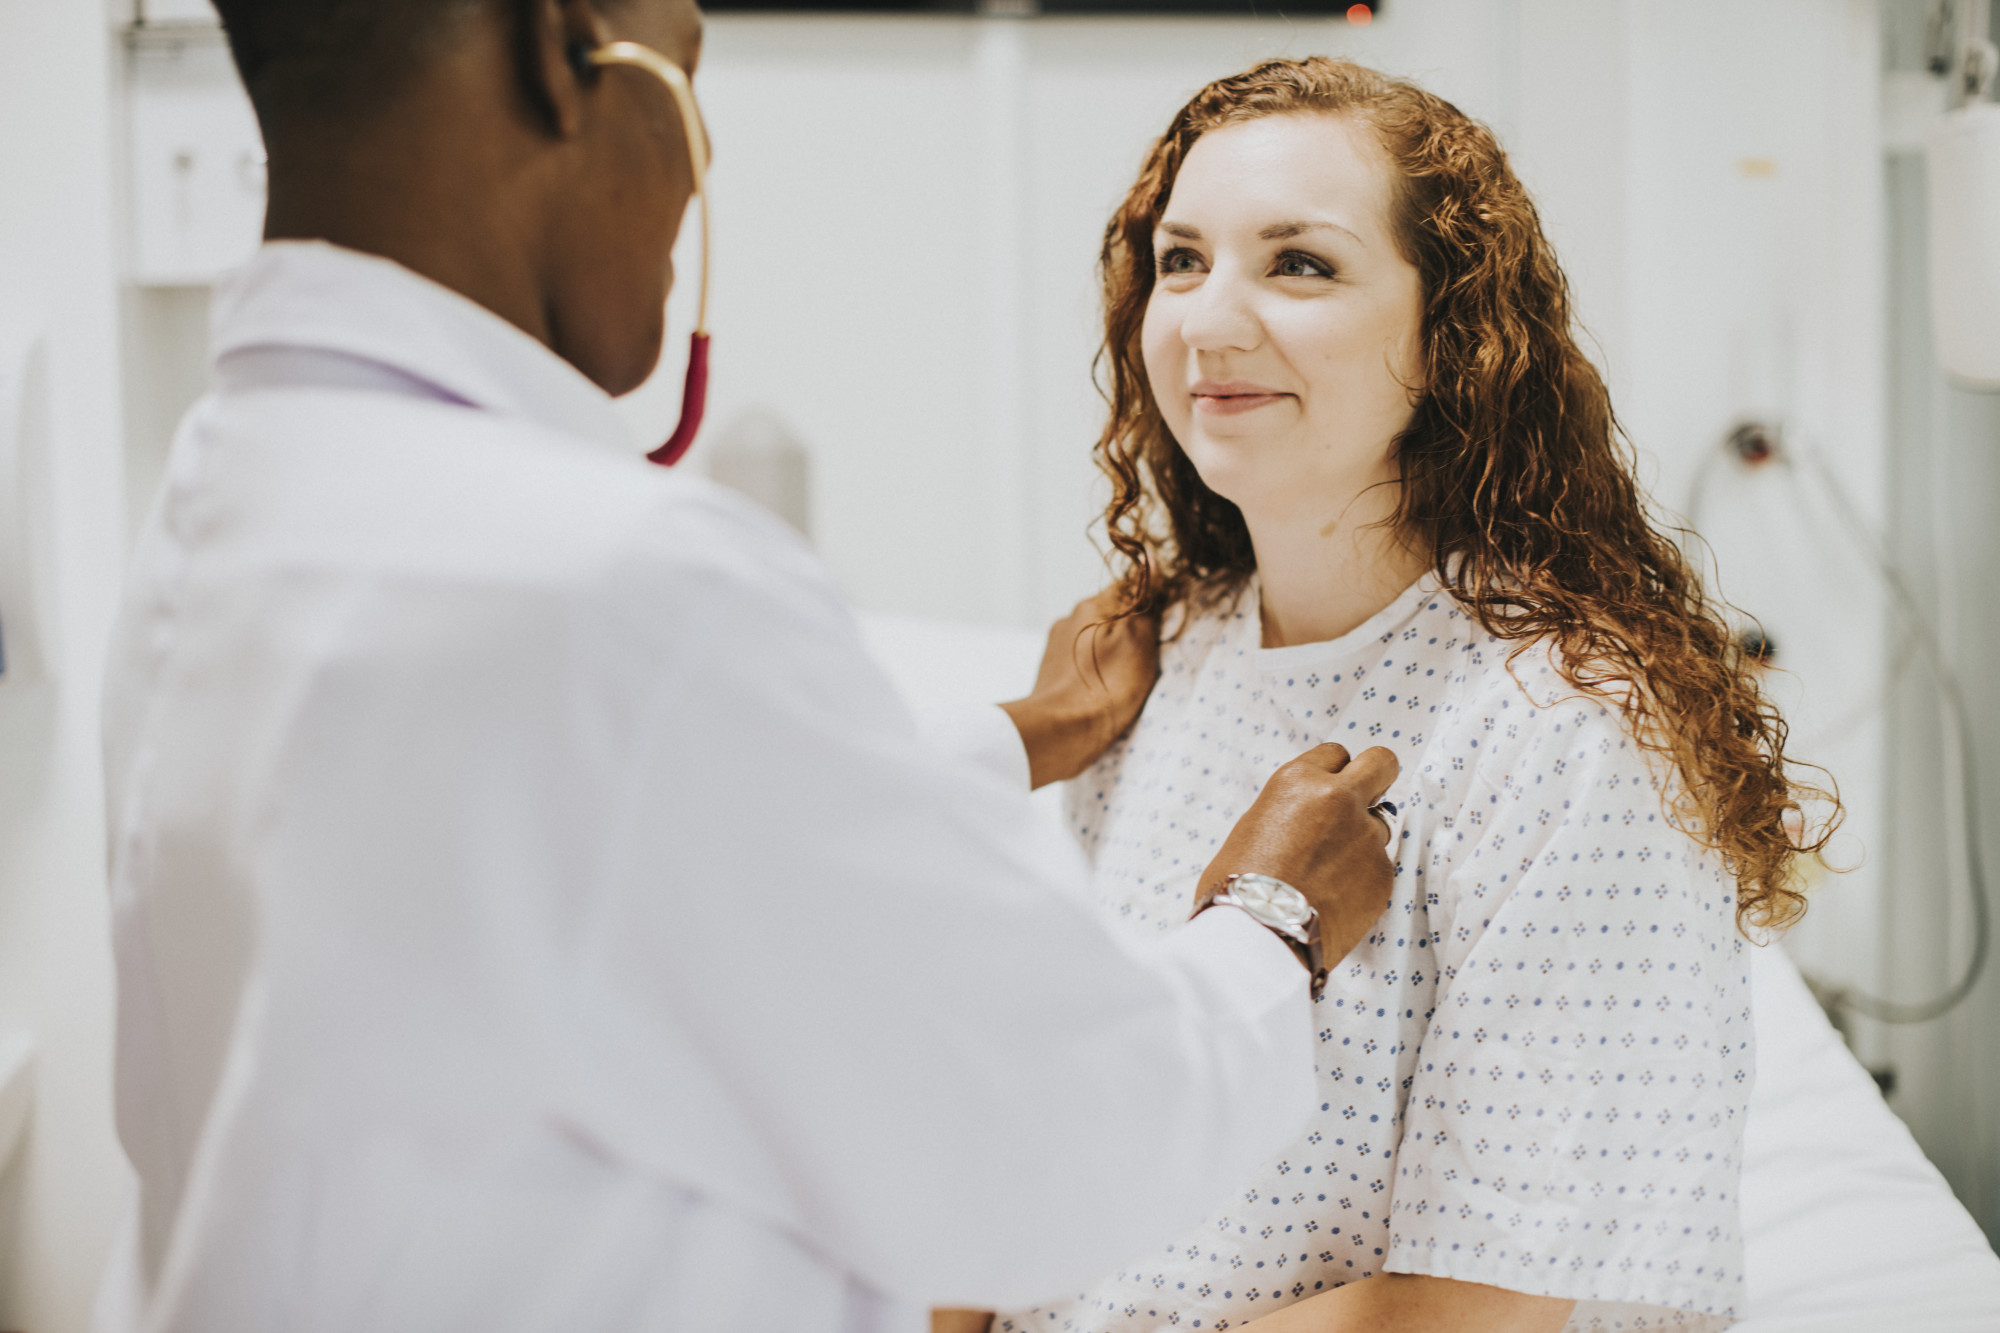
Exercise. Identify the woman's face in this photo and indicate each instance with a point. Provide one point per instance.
(1283, 337)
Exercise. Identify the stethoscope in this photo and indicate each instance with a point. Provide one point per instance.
(694, 394)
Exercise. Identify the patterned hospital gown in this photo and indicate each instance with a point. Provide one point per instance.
(1534, 1072)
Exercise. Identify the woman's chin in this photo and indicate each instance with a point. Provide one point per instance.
(1242, 469)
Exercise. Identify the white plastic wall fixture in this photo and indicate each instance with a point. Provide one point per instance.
(1964, 170)
(197, 158)
(17, 1092)
(757, 454)
(26, 608)
(176, 11)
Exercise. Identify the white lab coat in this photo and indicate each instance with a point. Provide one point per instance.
(534, 911)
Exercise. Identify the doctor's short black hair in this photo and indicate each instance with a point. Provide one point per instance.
(334, 58)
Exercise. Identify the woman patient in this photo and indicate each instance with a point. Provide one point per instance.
(1378, 492)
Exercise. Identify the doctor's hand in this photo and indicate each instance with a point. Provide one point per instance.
(1095, 676)
(1313, 827)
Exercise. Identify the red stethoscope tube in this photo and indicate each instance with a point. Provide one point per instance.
(694, 392)
(694, 400)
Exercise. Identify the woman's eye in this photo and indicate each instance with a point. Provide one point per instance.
(1179, 261)
(1292, 264)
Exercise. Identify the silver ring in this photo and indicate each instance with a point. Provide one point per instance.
(1386, 809)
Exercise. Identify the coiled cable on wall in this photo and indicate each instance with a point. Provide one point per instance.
(1758, 445)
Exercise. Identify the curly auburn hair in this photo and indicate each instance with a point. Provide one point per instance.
(1515, 476)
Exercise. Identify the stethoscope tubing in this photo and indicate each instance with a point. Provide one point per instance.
(694, 389)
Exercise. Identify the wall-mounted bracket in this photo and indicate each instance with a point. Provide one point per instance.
(17, 1092)
(195, 155)
(26, 585)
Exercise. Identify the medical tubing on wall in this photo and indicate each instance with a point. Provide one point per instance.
(1959, 725)
(1960, 731)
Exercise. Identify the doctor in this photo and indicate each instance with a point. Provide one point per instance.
(533, 911)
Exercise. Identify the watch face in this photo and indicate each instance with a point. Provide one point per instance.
(1271, 900)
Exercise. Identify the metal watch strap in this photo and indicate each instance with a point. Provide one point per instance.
(1309, 951)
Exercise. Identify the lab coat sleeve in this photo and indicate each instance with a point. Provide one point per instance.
(982, 733)
(974, 1087)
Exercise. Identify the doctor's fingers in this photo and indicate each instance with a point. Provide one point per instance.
(1345, 787)
(1330, 757)
(1369, 776)
(1110, 649)
(1082, 643)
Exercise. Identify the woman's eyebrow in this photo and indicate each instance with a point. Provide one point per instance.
(1277, 231)
(1284, 231)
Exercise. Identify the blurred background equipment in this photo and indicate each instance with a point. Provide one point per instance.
(196, 160)
(757, 454)
(26, 576)
(1758, 445)
(17, 1103)
(1964, 165)
(1964, 170)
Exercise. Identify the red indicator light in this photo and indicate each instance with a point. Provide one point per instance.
(1360, 15)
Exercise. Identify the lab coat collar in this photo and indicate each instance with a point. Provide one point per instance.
(314, 297)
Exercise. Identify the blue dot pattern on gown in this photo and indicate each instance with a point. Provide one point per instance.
(1533, 1073)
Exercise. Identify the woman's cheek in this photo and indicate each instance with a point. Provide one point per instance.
(1362, 380)
(1161, 350)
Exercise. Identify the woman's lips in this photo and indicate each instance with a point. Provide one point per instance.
(1234, 404)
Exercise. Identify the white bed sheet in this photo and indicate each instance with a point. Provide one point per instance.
(1850, 1228)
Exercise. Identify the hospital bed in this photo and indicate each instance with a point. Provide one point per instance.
(1849, 1227)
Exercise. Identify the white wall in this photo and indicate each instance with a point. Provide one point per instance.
(56, 273)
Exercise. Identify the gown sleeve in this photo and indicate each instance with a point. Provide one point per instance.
(922, 1049)
(1574, 1127)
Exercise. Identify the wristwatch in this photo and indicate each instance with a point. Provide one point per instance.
(1281, 909)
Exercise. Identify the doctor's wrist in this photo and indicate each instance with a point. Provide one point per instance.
(1061, 737)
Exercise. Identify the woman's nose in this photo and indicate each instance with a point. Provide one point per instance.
(1219, 316)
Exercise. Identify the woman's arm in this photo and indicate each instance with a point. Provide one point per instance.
(1410, 1303)
(1392, 1303)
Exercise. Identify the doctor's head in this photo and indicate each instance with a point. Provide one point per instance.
(472, 141)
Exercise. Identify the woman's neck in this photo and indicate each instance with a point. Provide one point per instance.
(1321, 580)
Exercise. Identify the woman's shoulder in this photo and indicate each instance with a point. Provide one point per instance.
(1515, 707)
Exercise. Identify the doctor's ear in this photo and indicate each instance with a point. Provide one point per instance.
(553, 45)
